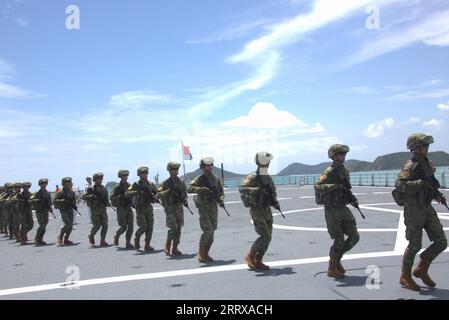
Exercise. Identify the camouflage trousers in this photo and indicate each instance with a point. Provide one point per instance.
(125, 220)
(42, 220)
(26, 222)
(9, 222)
(67, 219)
(208, 223)
(15, 222)
(263, 224)
(2, 221)
(99, 219)
(174, 221)
(340, 222)
(418, 218)
(145, 222)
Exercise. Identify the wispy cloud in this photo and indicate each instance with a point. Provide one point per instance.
(231, 33)
(6, 70)
(415, 94)
(10, 91)
(362, 90)
(432, 30)
(443, 106)
(377, 129)
(433, 124)
(22, 22)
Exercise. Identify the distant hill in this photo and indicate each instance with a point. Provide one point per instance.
(110, 185)
(217, 172)
(392, 161)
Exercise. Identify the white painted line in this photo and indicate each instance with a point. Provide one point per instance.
(280, 199)
(307, 197)
(187, 272)
(381, 193)
(276, 226)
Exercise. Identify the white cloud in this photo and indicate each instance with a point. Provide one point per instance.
(22, 22)
(136, 99)
(434, 30)
(266, 115)
(376, 130)
(5, 70)
(362, 90)
(433, 82)
(9, 91)
(443, 106)
(433, 124)
(232, 33)
(413, 94)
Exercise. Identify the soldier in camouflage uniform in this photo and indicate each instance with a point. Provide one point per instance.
(7, 210)
(2, 222)
(66, 203)
(259, 193)
(41, 202)
(209, 192)
(125, 215)
(97, 200)
(143, 194)
(419, 187)
(15, 218)
(26, 215)
(334, 191)
(173, 196)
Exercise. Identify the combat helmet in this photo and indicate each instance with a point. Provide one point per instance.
(419, 139)
(263, 158)
(337, 148)
(173, 165)
(206, 162)
(123, 173)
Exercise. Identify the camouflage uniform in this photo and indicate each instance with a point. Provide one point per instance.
(419, 187)
(173, 196)
(259, 193)
(206, 202)
(42, 203)
(14, 212)
(26, 215)
(97, 200)
(2, 202)
(65, 201)
(143, 194)
(7, 210)
(334, 188)
(125, 215)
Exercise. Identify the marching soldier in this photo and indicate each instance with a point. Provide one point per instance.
(173, 196)
(15, 219)
(143, 194)
(66, 203)
(419, 187)
(334, 191)
(125, 216)
(97, 200)
(41, 202)
(209, 192)
(26, 215)
(7, 210)
(2, 202)
(259, 193)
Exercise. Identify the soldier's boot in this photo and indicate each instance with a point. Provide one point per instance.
(91, 239)
(18, 237)
(67, 242)
(333, 271)
(167, 248)
(137, 243)
(202, 255)
(60, 238)
(407, 281)
(207, 256)
(23, 239)
(148, 248)
(103, 243)
(340, 267)
(175, 250)
(251, 259)
(26, 237)
(116, 239)
(41, 240)
(422, 272)
(129, 246)
(260, 265)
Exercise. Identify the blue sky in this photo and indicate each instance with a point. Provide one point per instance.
(229, 78)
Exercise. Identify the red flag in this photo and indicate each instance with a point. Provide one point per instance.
(186, 152)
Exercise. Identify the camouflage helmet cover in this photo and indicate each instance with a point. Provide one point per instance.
(263, 158)
(419, 139)
(9, 185)
(123, 173)
(142, 170)
(173, 165)
(98, 175)
(337, 148)
(26, 184)
(17, 185)
(206, 162)
(42, 181)
(66, 180)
